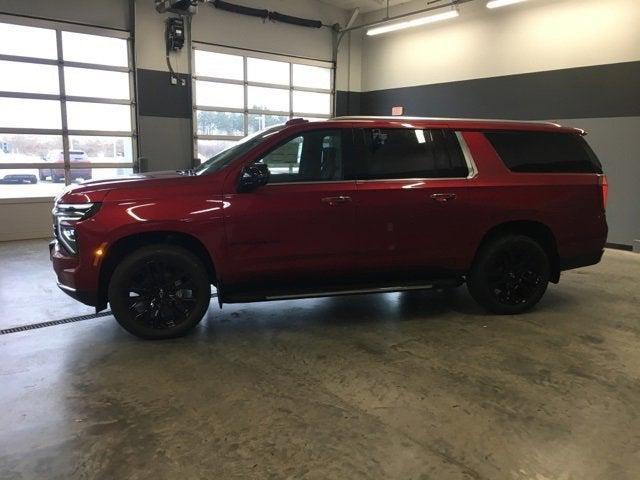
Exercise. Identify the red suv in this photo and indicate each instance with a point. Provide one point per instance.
(349, 205)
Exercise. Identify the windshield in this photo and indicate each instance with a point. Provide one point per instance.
(225, 157)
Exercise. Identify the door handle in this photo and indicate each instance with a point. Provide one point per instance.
(443, 197)
(336, 200)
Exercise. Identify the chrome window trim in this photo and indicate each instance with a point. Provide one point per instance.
(468, 157)
(314, 182)
(471, 166)
(417, 179)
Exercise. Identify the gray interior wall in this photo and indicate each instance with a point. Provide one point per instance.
(583, 92)
(165, 142)
(615, 142)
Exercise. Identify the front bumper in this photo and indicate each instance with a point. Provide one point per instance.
(70, 273)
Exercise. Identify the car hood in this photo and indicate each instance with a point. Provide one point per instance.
(96, 190)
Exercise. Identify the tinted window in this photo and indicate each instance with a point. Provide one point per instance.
(541, 152)
(411, 153)
(310, 157)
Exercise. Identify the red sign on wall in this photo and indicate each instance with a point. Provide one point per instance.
(395, 111)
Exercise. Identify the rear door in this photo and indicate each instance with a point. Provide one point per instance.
(300, 227)
(412, 201)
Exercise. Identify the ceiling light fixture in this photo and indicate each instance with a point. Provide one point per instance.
(502, 3)
(414, 23)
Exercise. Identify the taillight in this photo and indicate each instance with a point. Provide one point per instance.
(605, 190)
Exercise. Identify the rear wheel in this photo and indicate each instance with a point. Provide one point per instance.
(159, 292)
(509, 275)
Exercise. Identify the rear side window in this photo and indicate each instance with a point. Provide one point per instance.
(544, 152)
(411, 153)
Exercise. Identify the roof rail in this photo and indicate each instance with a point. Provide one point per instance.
(441, 119)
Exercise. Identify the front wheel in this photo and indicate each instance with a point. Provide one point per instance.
(159, 291)
(509, 275)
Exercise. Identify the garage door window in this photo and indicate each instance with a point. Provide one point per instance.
(67, 106)
(238, 93)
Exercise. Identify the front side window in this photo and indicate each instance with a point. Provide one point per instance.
(411, 153)
(310, 157)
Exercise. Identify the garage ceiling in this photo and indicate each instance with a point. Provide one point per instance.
(363, 5)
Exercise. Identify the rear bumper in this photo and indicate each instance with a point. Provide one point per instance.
(581, 261)
(70, 276)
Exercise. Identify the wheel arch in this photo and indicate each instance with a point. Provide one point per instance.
(538, 231)
(128, 244)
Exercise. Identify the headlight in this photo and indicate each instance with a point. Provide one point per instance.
(65, 217)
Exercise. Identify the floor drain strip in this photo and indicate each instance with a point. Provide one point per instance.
(52, 323)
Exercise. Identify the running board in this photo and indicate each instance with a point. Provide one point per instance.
(247, 297)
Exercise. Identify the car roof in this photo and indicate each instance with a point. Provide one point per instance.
(459, 123)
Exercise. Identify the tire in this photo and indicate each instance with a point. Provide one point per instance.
(509, 275)
(143, 294)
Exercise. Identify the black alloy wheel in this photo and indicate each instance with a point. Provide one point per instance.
(159, 292)
(513, 276)
(510, 274)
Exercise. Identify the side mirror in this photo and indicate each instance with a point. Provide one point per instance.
(253, 176)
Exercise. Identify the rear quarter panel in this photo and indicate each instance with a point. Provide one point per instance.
(569, 204)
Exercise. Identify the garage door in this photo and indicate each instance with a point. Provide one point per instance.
(239, 92)
(66, 99)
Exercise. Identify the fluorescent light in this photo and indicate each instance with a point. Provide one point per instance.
(502, 3)
(413, 23)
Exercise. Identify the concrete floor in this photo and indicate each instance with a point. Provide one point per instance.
(419, 385)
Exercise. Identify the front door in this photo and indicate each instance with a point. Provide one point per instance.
(300, 227)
